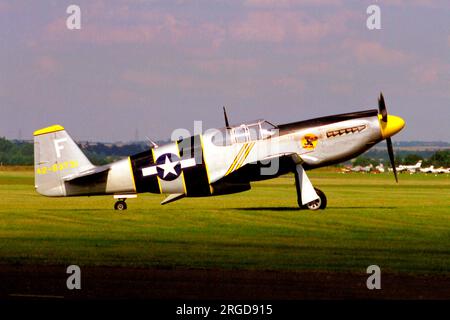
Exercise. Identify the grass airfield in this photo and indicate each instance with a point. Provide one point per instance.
(403, 228)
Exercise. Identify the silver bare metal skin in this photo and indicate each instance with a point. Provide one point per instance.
(341, 148)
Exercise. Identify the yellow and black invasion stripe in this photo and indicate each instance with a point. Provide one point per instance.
(183, 180)
(240, 158)
(195, 178)
(206, 166)
(148, 183)
(157, 177)
(132, 174)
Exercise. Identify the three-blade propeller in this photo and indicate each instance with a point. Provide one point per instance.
(384, 118)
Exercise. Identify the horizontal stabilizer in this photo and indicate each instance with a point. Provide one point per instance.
(86, 173)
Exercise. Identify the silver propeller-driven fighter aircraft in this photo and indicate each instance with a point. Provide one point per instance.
(217, 162)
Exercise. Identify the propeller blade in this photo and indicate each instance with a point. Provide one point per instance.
(382, 108)
(391, 157)
(226, 118)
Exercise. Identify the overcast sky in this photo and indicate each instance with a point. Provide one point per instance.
(160, 65)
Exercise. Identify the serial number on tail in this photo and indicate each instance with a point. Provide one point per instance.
(58, 167)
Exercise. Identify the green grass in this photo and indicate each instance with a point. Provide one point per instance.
(369, 220)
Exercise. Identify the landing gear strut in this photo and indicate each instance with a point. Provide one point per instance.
(302, 182)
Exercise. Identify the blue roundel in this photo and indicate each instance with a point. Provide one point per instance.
(168, 166)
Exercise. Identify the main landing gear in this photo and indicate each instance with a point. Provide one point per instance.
(120, 203)
(308, 197)
(318, 204)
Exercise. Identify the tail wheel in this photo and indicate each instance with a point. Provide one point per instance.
(318, 204)
(120, 205)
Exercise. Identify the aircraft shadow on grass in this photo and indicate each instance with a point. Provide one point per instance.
(268, 209)
(75, 210)
(298, 209)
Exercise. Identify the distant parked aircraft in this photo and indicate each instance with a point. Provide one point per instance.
(431, 169)
(359, 168)
(380, 167)
(410, 168)
(443, 170)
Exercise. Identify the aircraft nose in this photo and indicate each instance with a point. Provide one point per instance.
(393, 125)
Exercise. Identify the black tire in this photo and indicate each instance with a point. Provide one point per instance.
(120, 205)
(319, 204)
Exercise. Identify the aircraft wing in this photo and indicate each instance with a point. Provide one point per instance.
(296, 157)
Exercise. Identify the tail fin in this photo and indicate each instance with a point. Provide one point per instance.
(56, 157)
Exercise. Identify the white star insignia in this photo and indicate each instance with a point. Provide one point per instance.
(168, 167)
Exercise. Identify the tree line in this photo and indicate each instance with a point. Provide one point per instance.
(21, 153)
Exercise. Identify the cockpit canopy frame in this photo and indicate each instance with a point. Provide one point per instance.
(246, 132)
